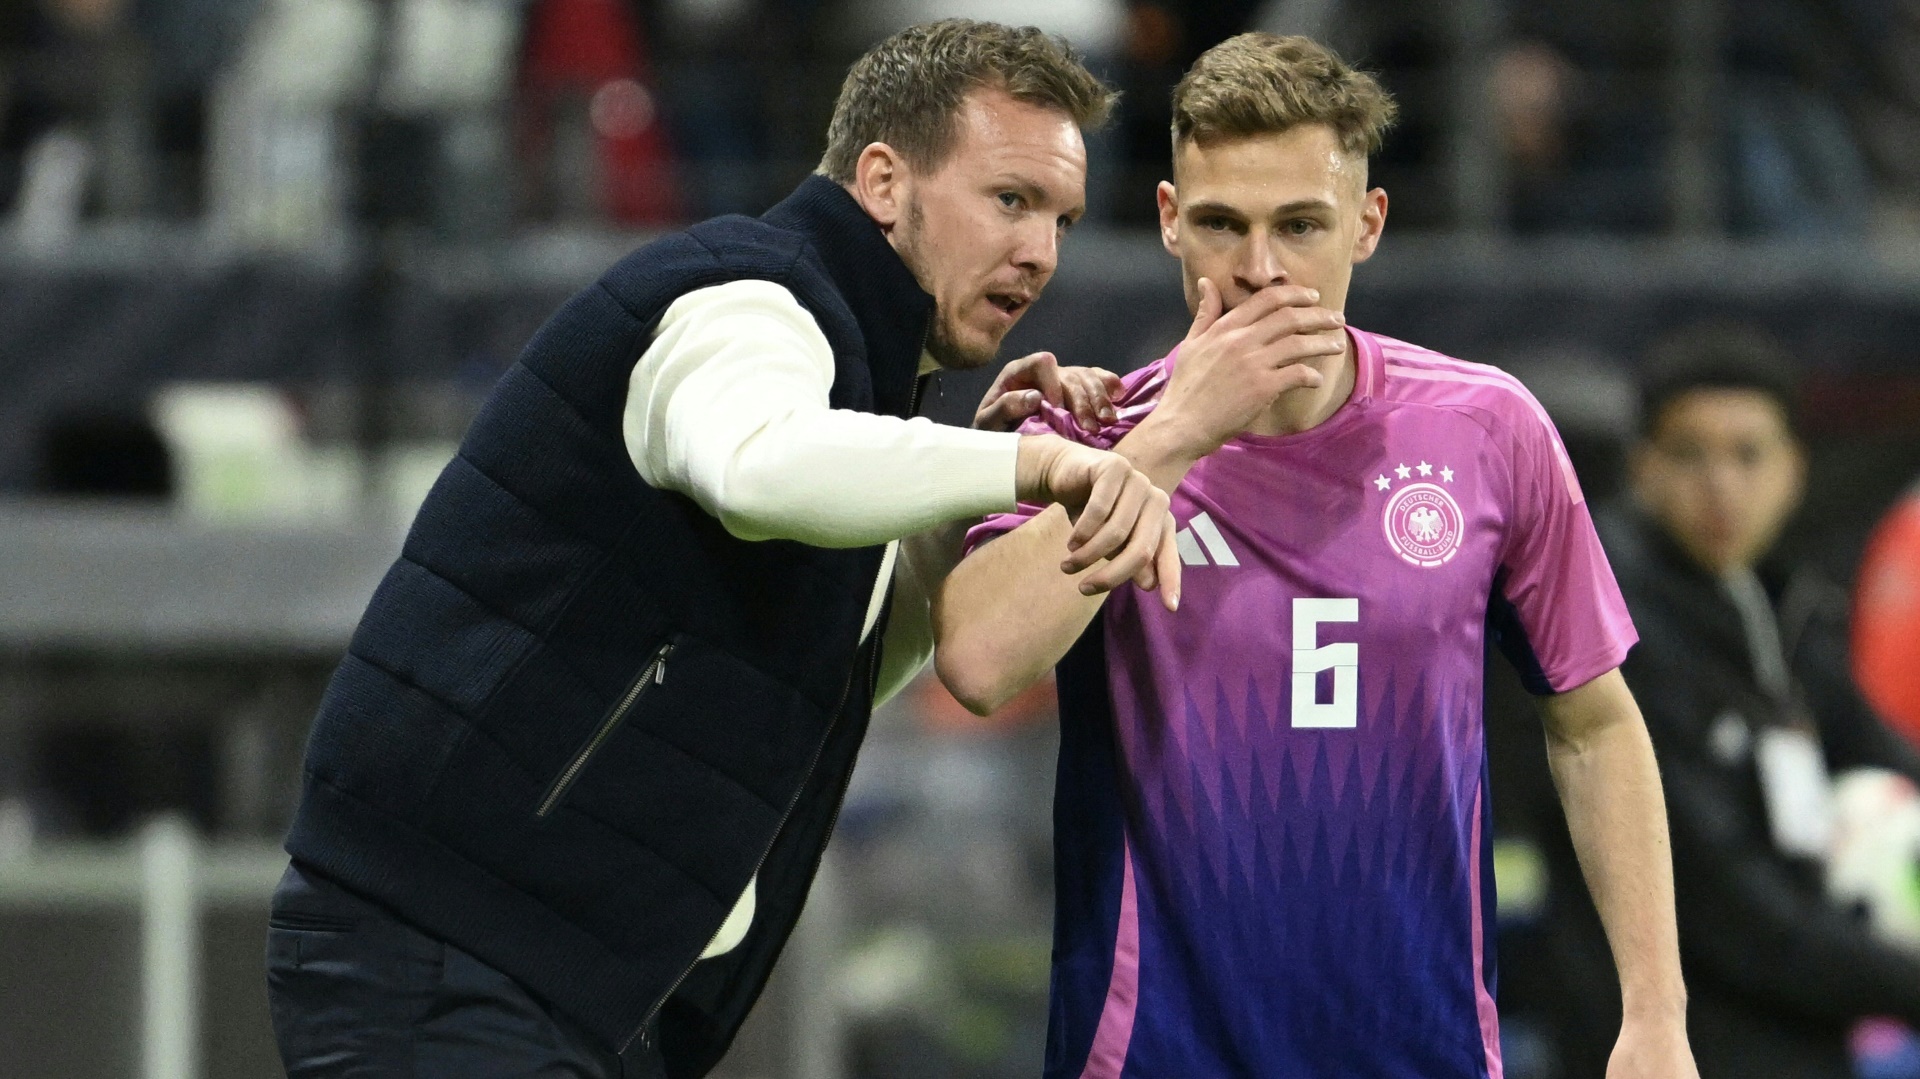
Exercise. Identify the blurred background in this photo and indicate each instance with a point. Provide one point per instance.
(260, 260)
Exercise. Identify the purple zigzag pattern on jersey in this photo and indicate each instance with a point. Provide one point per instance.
(1301, 939)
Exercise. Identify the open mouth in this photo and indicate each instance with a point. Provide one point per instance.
(1010, 303)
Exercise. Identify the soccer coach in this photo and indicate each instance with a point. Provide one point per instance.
(567, 791)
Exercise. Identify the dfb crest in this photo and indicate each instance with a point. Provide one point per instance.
(1424, 525)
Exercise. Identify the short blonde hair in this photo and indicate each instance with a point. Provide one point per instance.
(1262, 84)
(907, 90)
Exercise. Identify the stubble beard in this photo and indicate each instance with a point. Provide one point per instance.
(943, 343)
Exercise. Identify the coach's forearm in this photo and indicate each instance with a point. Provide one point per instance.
(836, 478)
(1006, 614)
(1609, 785)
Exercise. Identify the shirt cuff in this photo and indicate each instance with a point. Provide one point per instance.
(973, 471)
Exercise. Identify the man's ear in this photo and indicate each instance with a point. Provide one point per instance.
(1373, 221)
(881, 184)
(1169, 199)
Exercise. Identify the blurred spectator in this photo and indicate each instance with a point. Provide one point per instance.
(187, 44)
(1532, 87)
(1580, 155)
(392, 113)
(1158, 42)
(736, 98)
(107, 107)
(1742, 674)
(1796, 165)
(1578, 103)
(277, 167)
(72, 68)
(1885, 110)
(102, 104)
(591, 138)
(1886, 618)
(1790, 70)
(434, 149)
(1581, 95)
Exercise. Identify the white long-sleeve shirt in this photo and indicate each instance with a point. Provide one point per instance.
(729, 405)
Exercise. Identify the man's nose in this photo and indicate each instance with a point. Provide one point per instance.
(1039, 250)
(1259, 266)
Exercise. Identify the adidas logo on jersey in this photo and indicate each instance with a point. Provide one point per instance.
(1201, 533)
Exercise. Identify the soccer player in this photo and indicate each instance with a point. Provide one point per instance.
(1272, 823)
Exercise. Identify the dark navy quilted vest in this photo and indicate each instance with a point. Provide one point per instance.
(578, 715)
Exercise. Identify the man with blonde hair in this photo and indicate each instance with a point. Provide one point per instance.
(1273, 843)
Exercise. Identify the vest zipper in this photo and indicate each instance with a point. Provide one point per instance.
(913, 399)
(873, 672)
(653, 674)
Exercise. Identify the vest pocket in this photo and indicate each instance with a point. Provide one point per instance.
(653, 674)
(697, 774)
(302, 922)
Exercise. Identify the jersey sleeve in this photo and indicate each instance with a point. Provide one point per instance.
(1556, 610)
(1137, 396)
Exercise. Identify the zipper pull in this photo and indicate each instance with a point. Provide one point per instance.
(660, 666)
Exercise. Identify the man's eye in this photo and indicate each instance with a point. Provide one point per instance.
(1009, 199)
(1215, 224)
(1300, 227)
(1064, 223)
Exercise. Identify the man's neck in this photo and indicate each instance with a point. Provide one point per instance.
(1304, 409)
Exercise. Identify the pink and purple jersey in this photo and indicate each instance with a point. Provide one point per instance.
(1272, 850)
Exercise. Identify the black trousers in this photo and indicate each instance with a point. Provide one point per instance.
(357, 993)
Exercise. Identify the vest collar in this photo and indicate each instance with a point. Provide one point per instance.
(894, 312)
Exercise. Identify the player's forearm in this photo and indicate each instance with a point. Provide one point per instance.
(1609, 785)
(1160, 449)
(1006, 614)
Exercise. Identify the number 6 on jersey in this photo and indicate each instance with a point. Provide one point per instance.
(1310, 657)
